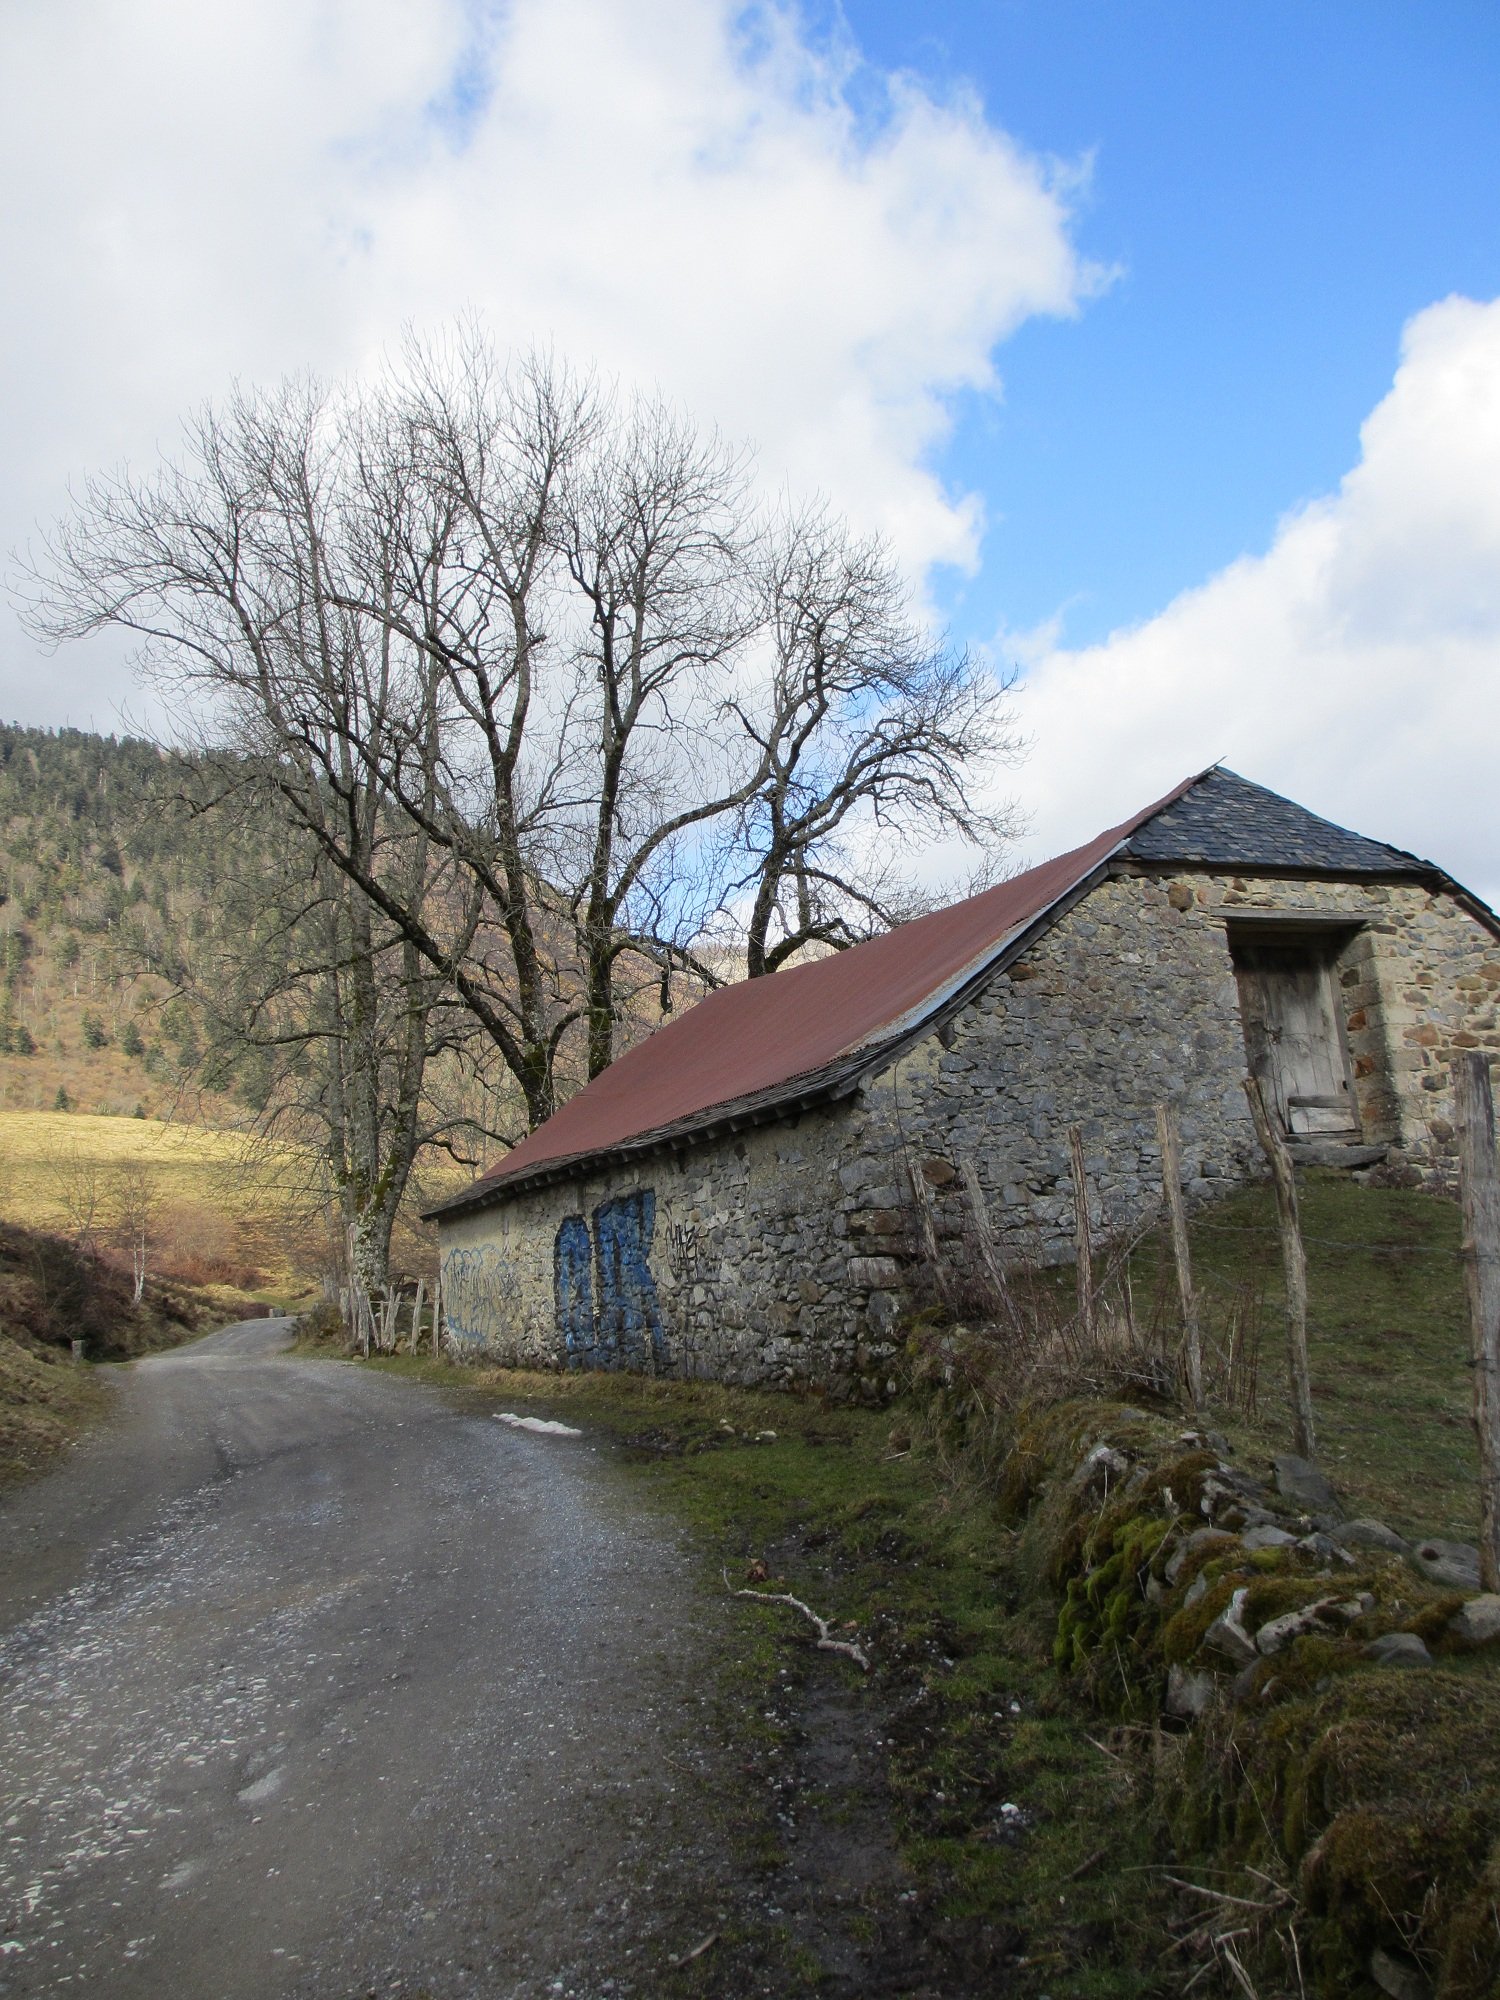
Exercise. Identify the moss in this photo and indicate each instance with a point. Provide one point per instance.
(1430, 1623)
(1184, 1631)
(1381, 1790)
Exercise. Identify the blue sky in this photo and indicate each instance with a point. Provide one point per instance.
(1280, 186)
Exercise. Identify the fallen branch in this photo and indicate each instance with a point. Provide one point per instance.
(826, 1642)
(1090, 1861)
(1222, 1895)
(697, 1951)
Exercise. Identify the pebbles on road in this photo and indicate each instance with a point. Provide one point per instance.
(320, 1683)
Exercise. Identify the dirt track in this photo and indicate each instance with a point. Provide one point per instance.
(318, 1683)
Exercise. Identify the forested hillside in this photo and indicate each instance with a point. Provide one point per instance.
(141, 954)
(95, 878)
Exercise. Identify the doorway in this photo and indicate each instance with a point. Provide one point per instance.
(1294, 1031)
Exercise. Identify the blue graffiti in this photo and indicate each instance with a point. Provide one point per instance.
(607, 1311)
(572, 1255)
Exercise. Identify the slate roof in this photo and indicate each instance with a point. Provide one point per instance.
(1222, 819)
(808, 1033)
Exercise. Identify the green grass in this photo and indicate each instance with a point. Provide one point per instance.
(878, 1536)
(1387, 1334)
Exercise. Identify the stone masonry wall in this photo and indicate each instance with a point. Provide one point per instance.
(779, 1255)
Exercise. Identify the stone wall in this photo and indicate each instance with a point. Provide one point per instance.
(779, 1255)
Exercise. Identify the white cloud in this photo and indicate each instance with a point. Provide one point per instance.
(1355, 666)
(690, 196)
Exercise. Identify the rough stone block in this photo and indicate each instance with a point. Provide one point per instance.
(1477, 1623)
(1370, 1534)
(1189, 1693)
(1455, 1565)
(1398, 1649)
(874, 1273)
(1227, 1634)
(1299, 1480)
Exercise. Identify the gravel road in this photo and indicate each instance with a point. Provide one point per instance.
(316, 1682)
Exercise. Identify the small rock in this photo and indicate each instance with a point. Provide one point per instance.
(1398, 1977)
(1197, 1589)
(1367, 1534)
(1268, 1538)
(1214, 1441)
(1249, 1490)
(1103, 1468)
(1478, 1621)
(1351, 1608)
(1324, 1548)
(1188, 1693)
(1198, 1539)
(1454, 1564)
(1398, 1649)
(1300, 1480)
(1278, 1633)
(1227, 1634)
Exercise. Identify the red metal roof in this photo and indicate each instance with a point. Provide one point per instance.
(763, 1034)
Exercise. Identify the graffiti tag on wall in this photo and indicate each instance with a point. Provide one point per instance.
(607, 1311)
(478, 1288)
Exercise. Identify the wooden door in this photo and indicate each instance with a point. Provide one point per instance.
(1295, 1038)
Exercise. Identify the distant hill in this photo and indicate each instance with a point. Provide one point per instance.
(88, 871)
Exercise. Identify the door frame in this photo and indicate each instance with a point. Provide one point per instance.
(1323, 937)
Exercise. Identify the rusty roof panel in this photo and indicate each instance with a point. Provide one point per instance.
(764, 1035)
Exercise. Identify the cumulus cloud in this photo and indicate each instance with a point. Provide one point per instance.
(695, 196)
(1354, 666)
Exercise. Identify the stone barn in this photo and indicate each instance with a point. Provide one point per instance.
(733, 1197)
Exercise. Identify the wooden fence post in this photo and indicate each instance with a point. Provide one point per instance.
(989, 1250)
(1479, 1198)
(1084, 1269)
(1171, 1183)
(416, 1316)
(928, 1227)
(1294, 1269)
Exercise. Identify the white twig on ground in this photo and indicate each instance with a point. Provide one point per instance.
(826, 1642)
(697, 1951)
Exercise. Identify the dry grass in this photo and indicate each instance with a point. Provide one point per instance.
(45, 1400)
(220, 1207)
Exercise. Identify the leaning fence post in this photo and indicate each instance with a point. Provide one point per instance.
(989, 1250)
(1171, 1182)
(924, 1219)
(416, 1316)
(1479, 1199)
(1294, 1268)
(1084, 1269)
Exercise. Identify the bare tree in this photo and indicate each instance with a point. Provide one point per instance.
(525, 671)
(135, 1212)
(868, 728)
